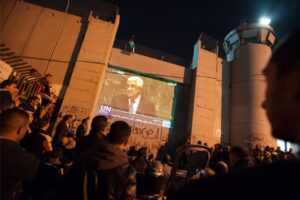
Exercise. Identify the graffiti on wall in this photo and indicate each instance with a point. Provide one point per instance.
(77, 111)
(142, 134)
(255, 139)
(145, 135)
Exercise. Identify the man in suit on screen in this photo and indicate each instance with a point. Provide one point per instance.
(133, 101)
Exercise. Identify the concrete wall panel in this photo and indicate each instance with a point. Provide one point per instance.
(39, 65)
(34, 31)
(247, 117)
(88, 73)
(58, 70)
(98, 36)
(82, 87)
(207, 58)
(249, 62)
(207, 108)
(148, 65)
(79, 95)
(90, 69)
(19, 25)
(45, 34)
(67, 39)
(252, 135)
(6, 6)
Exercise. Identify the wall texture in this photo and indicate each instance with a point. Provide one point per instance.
(248, 121)
(149, 65)
(88, 75)
(43, 37)
(208, 98)
(77, 49)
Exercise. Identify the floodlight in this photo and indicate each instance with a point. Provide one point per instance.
(265, 21)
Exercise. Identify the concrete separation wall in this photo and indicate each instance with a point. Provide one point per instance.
(137, 62)
(43, 37)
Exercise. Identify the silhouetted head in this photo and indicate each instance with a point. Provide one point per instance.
(34, 101)
(99, 123)
(282, 101)
(48, 78)
(119, 133)
(167, 159)
(142, 153)
(43, 124)
(67, 118)
(14, 124)
(236, 154)
(10, 86)
(6, 103)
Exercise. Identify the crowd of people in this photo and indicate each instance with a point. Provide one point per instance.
(74, 164)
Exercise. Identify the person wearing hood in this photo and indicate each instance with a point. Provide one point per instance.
(104, 172)
(91, 140)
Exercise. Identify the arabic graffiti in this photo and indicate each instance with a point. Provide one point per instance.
(255, 139)
(145, 135)
(77, 111)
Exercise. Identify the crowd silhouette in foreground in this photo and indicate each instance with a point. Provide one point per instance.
(74, 164)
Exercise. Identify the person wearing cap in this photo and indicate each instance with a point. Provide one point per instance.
(133, 101)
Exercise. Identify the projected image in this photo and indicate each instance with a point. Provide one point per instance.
(132, 100)
(137, 95)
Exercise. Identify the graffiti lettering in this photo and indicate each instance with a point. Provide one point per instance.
(152, 145)
(77, 111)
(149, 133)
(256, 139)
(145, 135)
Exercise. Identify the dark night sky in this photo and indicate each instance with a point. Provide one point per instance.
(174, 26)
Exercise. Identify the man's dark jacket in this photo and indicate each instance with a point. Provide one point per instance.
(101, 173)
(17, 168)
(89, 142)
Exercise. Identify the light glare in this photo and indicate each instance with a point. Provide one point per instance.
(265, 21)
